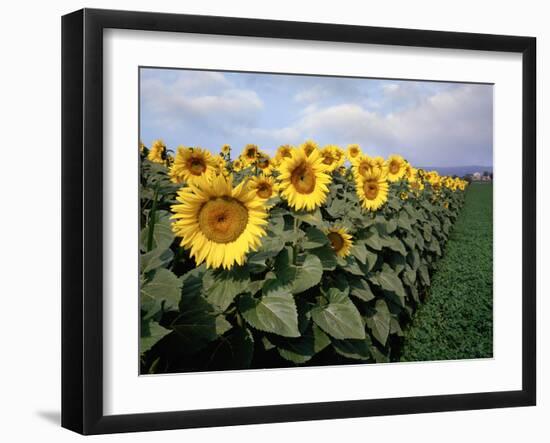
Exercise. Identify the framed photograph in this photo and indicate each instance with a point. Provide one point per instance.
(269, 221)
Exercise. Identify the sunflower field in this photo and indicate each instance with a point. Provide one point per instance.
(315, 256)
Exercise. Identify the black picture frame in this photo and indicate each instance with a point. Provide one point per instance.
(82, 219)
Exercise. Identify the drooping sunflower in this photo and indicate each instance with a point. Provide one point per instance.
(217, 222)
(372, 189)
(354, 151)
(304, 180)
(157, 153)
(249, 154)
(396, 167)
(264, 186)
(340, 241)
(192, 163)
(309, 146)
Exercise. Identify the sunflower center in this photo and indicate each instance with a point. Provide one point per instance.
(371, 190)
(264, 190)
(251, 154)
(394, 167)
(328, 159)
(196, 166)
(336, 241)
(223, 220)
(364, 167)
(303, 179)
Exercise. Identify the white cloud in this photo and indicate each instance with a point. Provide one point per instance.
(452, 127)
(198, 101)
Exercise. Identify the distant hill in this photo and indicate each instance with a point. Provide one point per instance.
(458, 170)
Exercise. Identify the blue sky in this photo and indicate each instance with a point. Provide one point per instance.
(430, 123)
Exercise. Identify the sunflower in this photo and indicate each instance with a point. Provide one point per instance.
(361, 165)
(396, 167)
(435, 180)
(250, 152)
(141, 147)
(238, 165)
(339, 155)
(365, 164)
(284, 151)
(446, 205)
(330, 157)
(304, 180)
(416, 186)
(264, 186)
(264, 163)
(340, 241)
(219, 223)
(221, 164)
(431, 177)
(449, 183)
(372, 189)
(226, 150)
(410, 172)
(309, 146)
(403, 195)
(354, 151)
(192, 163)
(157, 153)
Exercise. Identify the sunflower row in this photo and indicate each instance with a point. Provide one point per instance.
(223, 203)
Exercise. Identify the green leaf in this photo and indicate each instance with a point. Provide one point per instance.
(198, 325)
(297, 350)
(394, 244)
(221, 287)
(273, 313)
(424, 274)
(155, 259)
(233, 351)
(284, 267)
(355, 349)
(379, 323)
(320, 339)
(373, 241)
(327, 256)
(164, 286)
(361, 289)
(388, 280)
(351, 266)
(315, 238)
(162, 232)
(275, 287)
(308, 274)
(339, 317)
(359, 251)
(155, 333)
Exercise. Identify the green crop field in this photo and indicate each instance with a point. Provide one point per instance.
(456, 321)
